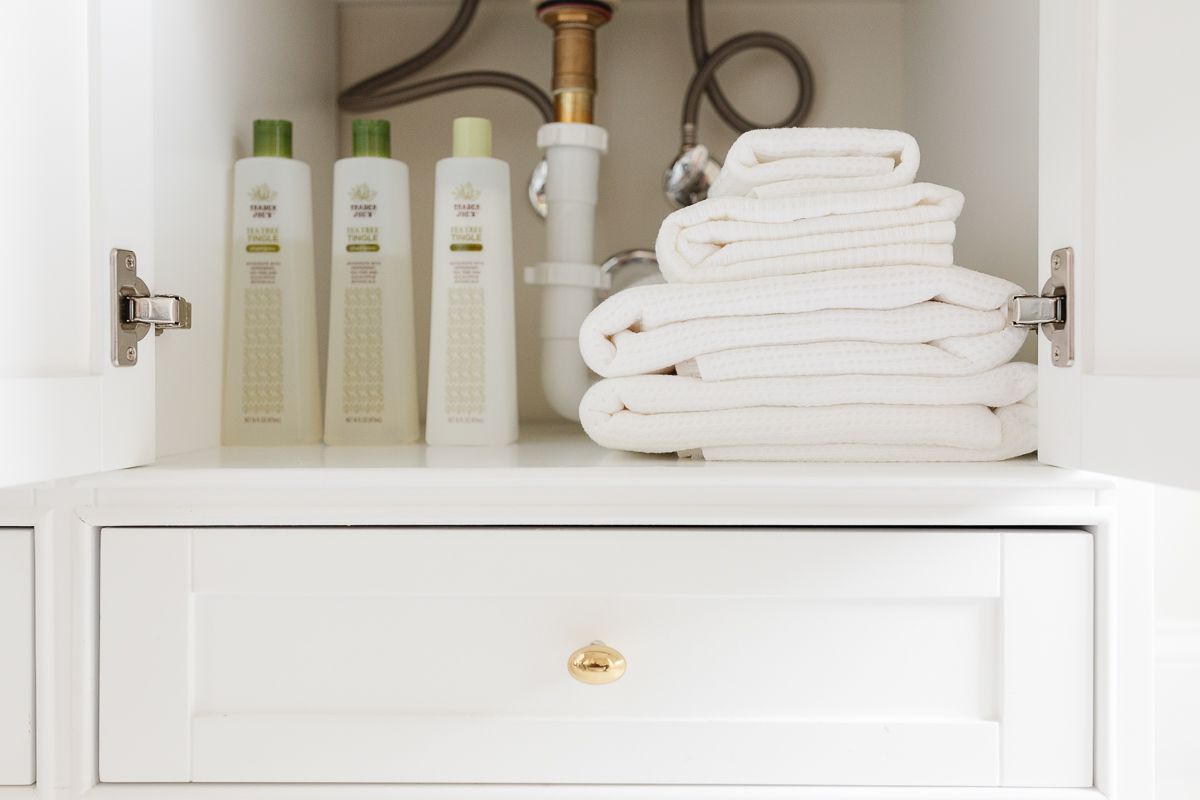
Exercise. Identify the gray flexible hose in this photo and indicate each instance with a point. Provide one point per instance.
(704, 81)
(373, 93)
(370, 95)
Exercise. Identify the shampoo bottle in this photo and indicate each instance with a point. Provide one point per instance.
(371, 384)
(272, 391)
(472, 341)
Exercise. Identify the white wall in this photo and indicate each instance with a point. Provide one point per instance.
(971, 99)
(216, 70)
(855, 49)
(927, 65)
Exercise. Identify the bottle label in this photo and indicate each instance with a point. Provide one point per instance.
(262, 236)
(362, 314)
(363, 235)
(262, 355)
(466, 384)
(466, 376)
(262, 322)
(466, 235)
(362, 359)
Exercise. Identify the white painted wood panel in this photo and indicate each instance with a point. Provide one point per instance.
(16, 656)
(1047, 700)
(499, 562)
(692, 657)
(1116, 183)
(145, 641)
(880, 657)
(77, 161)
(509, 791)
(485, 750)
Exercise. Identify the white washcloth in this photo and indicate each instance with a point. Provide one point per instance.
(669, 413)
(905, 320)
(735, 238)
(780, 162)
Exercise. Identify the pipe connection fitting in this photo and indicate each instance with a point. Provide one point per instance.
(574, 23)
(569, 276)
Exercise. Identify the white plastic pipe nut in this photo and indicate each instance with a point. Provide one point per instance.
(574, 134)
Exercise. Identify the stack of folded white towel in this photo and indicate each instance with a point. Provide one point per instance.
(813, 312)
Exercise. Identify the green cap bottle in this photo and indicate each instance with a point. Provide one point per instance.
(371, 137)
(273, 137)
(472, 137)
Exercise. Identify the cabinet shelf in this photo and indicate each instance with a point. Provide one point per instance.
(565, 450)
(555, 475)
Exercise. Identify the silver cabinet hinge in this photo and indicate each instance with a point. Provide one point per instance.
(1053, 311)
(135, 311)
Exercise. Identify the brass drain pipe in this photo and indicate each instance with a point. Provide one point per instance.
(574, 23)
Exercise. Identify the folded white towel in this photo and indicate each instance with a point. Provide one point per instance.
(639, 397)
(735, 238)
(780, 162)
(906, 320)
(909, 416)
(1018, 436)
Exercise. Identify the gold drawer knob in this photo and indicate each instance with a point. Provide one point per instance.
(596, 663)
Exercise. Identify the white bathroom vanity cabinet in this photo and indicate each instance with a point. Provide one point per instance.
(180, 620)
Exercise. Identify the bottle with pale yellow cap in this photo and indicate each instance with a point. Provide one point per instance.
(472, 340)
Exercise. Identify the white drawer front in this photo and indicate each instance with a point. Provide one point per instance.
(16, 656)
(886, 657)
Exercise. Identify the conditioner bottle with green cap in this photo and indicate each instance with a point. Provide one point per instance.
(272, 389)
(472, 340)
(371, 384)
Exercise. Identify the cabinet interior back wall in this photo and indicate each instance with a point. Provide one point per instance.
(961, 77)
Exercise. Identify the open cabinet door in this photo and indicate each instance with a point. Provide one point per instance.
(1119, 177)
(76, 156)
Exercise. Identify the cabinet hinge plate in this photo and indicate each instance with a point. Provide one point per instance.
(1053, 311)
(135, 310)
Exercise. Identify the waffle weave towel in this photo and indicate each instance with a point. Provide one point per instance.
(735, 238)
(1018, 436)
(907, 320)
(901, 417)
(780, 162)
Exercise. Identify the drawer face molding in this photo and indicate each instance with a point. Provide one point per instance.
(16, 656)
(808, 656)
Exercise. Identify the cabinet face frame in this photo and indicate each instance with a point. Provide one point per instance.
(104, 418)
(67, 558)
(68, 666)
(213, 636)
(17, 726)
